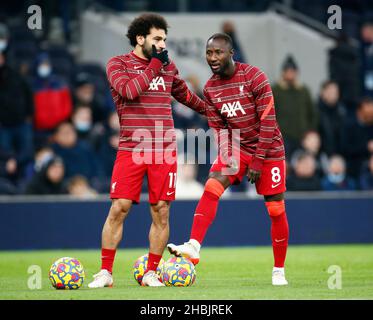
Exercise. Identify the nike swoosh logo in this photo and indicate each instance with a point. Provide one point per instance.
(280, 240)
(137, 67)
(276, 185)
(169, 193)
(217, 95)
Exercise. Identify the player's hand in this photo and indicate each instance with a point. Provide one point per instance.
(253, 175)
(161, 56)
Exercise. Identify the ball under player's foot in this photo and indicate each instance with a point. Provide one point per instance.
(278, 277)
(101, 280)
(188, 250)
(151, 279)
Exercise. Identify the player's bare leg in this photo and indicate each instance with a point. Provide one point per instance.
(158, 236)
(112, 234)
(204, 215)
(280, 234)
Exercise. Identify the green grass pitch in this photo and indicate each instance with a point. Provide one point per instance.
(223, 273)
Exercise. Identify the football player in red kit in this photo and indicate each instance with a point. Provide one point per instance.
(240, 100)
(142, 83)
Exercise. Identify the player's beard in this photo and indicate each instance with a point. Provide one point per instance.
(223, 68)
(147, 50)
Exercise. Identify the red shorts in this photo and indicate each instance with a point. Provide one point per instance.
(129, 172)
(272, 179)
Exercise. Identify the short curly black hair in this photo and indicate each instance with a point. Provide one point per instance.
(142, 25)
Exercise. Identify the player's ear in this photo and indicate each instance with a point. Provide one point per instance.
(231, 52)
(140, 40)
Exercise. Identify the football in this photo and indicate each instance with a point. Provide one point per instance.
(140, 266)
(67, 273)
(178, 272)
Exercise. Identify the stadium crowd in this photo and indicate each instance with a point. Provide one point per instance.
(59, 129)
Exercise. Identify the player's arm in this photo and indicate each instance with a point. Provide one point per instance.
(181, 93)
(265, 109)
(129, 88)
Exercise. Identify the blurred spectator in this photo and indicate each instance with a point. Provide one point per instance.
(78, 187)
(53, 103)
(357, 137)
(84, 93)
(336, 178)
(344, 68)
(366, 176)
(50, 179)
(77, 156)
(16, 113)
(187, 187)
(303, 177)
(184, 117)
(311, 143)
(332, 113)
(41, 157)
(367, 57)
(295, 111)
(229, 28)
(108, 151)
(8, 173)
(4, 37)
(83, 123)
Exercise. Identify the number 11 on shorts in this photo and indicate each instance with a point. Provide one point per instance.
(172, 182)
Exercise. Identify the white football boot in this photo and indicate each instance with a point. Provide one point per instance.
(278, 277)
(101, 280)
(188, 250)
(151, 279)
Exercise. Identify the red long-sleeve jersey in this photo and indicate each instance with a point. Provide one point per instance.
(245, 102)
(142, 91)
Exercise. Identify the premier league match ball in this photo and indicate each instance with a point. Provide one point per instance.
(140, 266)
(178, 272)
(66, 273)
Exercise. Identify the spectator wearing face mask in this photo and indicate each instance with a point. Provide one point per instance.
(53, 102)
(78, 157)
(336, 178)
(83, 123)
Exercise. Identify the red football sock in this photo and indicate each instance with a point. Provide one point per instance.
(206, 209)
(107, 259)
(153, 262)
(204, 215)
(279, 232)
